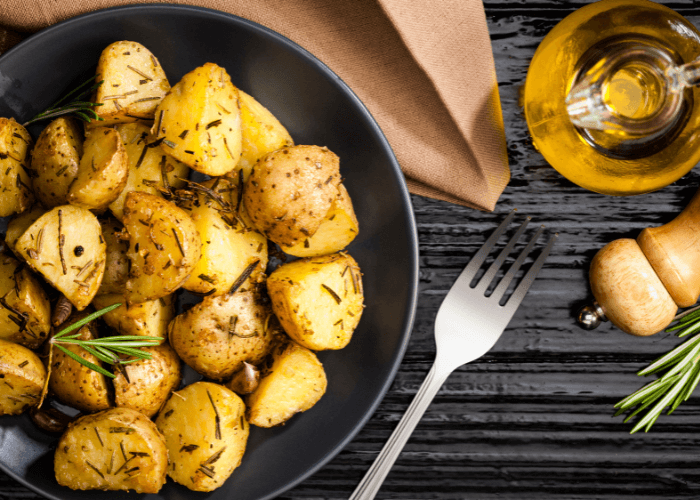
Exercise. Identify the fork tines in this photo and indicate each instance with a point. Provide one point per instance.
(499, 292)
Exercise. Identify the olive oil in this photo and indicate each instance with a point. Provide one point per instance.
(616, 55)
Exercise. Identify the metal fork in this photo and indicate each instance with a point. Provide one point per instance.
(467, 326)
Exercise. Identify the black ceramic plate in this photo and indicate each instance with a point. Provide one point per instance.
(317, 108)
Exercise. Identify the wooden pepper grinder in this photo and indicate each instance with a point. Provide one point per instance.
(640, 284)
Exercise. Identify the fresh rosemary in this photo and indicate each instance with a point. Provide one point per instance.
(677, 384)
(81, 109)
(106, 349)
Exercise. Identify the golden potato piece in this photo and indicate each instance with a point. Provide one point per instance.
(261, 133)
(116, 263)
(149, 318)
(150, 170)
(206, 434)
(55, 160)
(103, 170)
(25, 312)
(290, 191)
(230, 243)
(337, 230)
(23, 376)
(318, 300)
(164, 246)
(200, 121)
(146, 384)
(295, 382)
(75, 384)
(216, 336)
(16, 194)
(65, 245)
(20, 223)
(134, 83)
(117, 449)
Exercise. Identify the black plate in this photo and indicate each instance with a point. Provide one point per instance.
(317, 108)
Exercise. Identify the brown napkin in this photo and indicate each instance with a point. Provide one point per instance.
(423, 68)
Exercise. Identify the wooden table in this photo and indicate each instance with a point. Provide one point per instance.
(533, 418)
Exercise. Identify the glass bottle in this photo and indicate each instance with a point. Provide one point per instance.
(610, 97)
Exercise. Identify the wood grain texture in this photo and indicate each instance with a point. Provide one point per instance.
(533, 418)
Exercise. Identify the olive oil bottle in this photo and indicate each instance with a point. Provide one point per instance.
(611, 99)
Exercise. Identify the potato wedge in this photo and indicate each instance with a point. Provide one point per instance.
(117, 449)
(318, 300)
(65, 245)
(25, 312)
(149, 318)
(216, 336)
(73, 383)
(229, 244)
(134, 83)
(147, 165)
(145, 385)
(55, 160)
(293, 384)
(116, 261)
(103, 170)
(261, 133)
(206, 434)
(164, 246)
(290, 191)
(16, 194)
(200, 121)
(20, 223)
(23, 376)
(337, 230)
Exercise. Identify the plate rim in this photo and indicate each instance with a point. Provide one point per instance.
(413, 277)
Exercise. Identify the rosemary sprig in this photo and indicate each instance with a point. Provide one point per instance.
(106, 349)
(677, 384)
(81, 109)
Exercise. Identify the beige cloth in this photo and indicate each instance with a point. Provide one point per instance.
(424, 68)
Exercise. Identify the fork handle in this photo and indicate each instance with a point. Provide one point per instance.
(370, 484)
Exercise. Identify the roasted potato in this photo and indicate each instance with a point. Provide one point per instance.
(337, 230)
(150, 170)
(23, 376)
(261, 133)
(20, 223)
(150, 318)
(230, 243)
(75, 384)
(117, 449)
(103, 170)
(25, 312)
(116, 261)
(65, 245)
(206, 434)
(200, 121)
(290, 191)
(318, 300)
(16, 194)
(164, 246)
(134, 83)
(146, 384)
(216, 336)
(55, 160)
(293, 384)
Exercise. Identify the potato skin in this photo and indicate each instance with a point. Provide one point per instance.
(216, 336)
(16, 196)
(188, 422)
(318, 300)
(100, 442)
(55, 160)
(290, 191)
(145, 385)
(163, 252)
(116, 261)
(20, 223)
(23, 376)
(150, 318)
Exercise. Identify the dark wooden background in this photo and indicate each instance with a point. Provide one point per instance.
(533, 418)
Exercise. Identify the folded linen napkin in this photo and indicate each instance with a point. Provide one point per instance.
(424, 69)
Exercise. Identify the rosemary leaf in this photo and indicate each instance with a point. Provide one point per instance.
(86, 320)
(85, 362)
